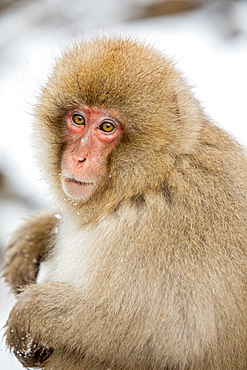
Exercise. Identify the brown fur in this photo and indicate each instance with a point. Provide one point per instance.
(166, 282)
(26, 249)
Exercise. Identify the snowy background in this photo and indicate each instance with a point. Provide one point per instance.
(206, 38)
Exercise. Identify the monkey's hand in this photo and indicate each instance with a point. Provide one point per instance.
(31, 354)
(25, 342)
(27, 247)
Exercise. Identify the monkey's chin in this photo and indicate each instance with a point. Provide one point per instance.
(78, 190)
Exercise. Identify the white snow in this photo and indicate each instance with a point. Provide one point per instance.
(214, 65)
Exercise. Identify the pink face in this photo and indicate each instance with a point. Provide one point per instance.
(92, 133)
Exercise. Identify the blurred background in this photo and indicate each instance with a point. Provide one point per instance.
(206, 38)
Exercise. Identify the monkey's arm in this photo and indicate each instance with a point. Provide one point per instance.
(44, 318)
(59, 317)
(28, 245)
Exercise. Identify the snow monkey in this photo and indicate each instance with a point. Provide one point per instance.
(143, 264)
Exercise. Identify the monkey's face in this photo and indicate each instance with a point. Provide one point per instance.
(80, 142)
(92, 133)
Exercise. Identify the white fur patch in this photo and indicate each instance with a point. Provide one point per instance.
(72, 259)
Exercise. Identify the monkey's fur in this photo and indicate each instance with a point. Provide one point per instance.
(164, 283)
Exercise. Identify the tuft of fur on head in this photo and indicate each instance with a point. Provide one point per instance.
(160, 116)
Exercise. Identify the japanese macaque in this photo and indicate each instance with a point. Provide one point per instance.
(143, 265)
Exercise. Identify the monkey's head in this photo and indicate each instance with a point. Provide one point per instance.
(111, 119)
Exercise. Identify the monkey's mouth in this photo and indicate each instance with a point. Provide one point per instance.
(77, 182)
(78, 190)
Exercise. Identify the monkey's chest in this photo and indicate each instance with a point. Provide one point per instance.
(72, 258)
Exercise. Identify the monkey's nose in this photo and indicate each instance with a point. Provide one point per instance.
(77, 160)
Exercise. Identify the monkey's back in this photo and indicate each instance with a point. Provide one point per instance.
(204, 254)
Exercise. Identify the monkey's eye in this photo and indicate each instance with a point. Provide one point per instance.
(78, 119)
(107, 127)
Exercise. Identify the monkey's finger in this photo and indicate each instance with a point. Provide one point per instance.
(34, 356)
